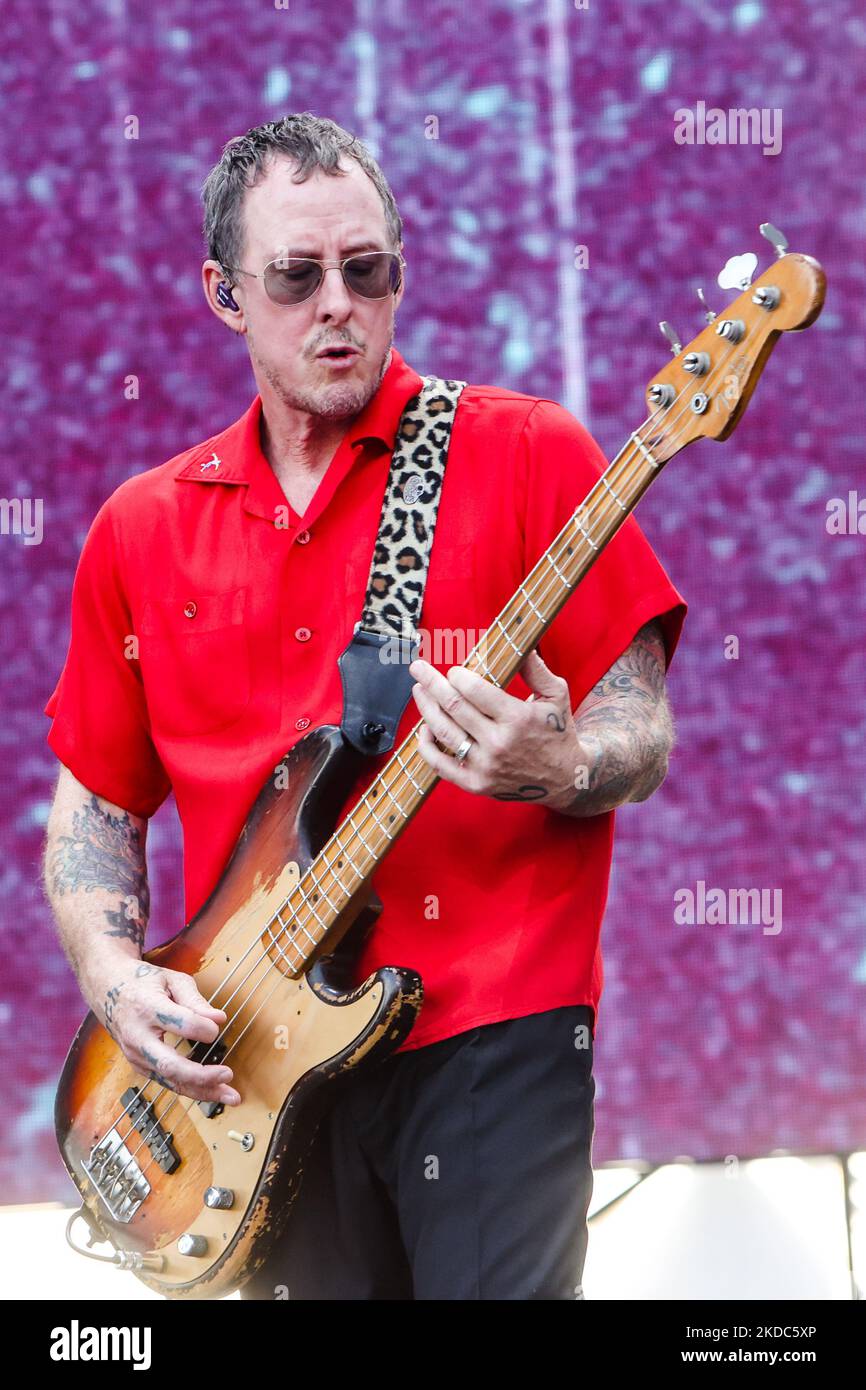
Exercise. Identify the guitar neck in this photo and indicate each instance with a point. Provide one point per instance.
(351, 856)
(719, 369)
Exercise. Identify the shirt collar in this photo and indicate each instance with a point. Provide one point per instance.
(235, 456)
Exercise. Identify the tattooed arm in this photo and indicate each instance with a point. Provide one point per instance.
(95, 879)
(626, 728)
(95, 875)
(95, 865)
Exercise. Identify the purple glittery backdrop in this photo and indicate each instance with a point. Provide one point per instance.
(555, 130)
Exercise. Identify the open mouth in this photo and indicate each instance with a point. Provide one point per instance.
(337, 354)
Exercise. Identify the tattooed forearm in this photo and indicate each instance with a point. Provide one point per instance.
(127, 923)
(94, 874)
(625, 725)
(104, 851)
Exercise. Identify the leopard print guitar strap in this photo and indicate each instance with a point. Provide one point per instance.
(374, 668)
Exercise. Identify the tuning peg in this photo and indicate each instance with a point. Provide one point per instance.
(672, 336)
(710, 313)
(777, 239)
(738, 272)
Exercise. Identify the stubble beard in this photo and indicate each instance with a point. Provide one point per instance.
(336, 400)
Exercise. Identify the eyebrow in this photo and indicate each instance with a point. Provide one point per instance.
(348, 250)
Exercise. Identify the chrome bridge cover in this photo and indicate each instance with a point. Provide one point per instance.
(116, 1176)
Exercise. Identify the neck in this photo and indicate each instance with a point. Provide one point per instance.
(300, 447)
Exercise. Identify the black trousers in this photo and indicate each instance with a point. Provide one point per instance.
(459, 1170)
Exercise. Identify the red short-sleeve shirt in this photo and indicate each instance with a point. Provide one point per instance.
(207, 619)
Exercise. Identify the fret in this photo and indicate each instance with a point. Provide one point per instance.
(309, 905)
(285, 927)
(512, 645)
(636, 439)
(387, 789)
(346, 855)
(330, 865)
(298, 926)
(613, 494)
(292, 963)
(586, 536)
(551, 561)
(537, 611)
(483, 664)
(334, 909)
(383, 829)
(419, 790)
(372, 853)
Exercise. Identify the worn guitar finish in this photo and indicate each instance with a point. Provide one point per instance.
(308, 1037)
(193, 1200)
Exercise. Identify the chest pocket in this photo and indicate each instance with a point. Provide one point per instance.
(195, 661)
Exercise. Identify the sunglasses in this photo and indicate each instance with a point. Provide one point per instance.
(292, 279)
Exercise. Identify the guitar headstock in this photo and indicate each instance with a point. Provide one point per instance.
(704, 390)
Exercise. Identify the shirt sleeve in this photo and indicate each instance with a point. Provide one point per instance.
(625, 587)
(100, 728)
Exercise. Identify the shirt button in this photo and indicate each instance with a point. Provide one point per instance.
(190, 610)
(302, 723)
(303, 634)
(303, 537)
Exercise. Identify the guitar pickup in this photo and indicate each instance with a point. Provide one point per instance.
(142, 1116)
(208, 1052)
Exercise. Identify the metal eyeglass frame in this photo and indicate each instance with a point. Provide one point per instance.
(284, 261)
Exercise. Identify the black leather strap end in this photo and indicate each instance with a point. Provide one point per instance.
(374, 670)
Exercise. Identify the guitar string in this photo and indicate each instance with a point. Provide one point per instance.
(588, 518)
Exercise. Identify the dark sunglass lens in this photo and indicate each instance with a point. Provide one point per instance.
(292, 281)
(373, 276)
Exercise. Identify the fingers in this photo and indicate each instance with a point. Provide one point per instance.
(162, 1064)
(172, 1017)
(445, 765)
(177, 1007)
(449, 734)
(184, 991)
(464, 696)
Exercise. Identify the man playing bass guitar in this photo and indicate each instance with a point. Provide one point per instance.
(459, 1168)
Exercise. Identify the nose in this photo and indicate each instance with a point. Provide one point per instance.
(333, 300)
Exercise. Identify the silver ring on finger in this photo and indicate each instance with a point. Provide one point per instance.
(462, 753)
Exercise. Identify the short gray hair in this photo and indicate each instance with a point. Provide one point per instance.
(312, 142)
